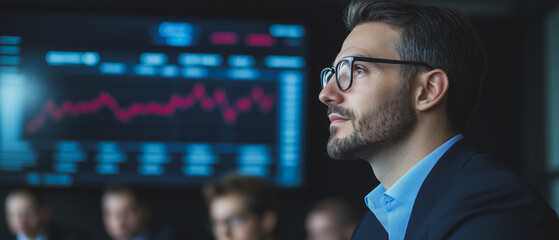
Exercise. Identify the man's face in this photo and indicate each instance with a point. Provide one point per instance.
(23, 215)
(232, 221)
(376, 111)
(122, 216)
(321, 225)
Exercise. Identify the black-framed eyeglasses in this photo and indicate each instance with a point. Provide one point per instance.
(344, 70)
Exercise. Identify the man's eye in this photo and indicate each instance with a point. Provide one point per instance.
(358, 70)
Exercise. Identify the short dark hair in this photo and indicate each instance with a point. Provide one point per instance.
(258, 196)
(127, 188)
(441, 37)
(33, 194)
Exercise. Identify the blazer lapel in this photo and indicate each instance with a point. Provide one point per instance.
(439, 180)
(369, 228)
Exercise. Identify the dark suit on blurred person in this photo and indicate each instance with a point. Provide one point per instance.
(55, 233)
(448, 203)
(158, 233)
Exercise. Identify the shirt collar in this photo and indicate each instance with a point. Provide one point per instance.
(373, 199)
(405, 189)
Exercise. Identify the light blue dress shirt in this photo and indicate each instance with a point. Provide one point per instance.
(393, 207)
(21, 236)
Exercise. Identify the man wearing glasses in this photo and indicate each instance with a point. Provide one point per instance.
(241, 208)
(399, 95)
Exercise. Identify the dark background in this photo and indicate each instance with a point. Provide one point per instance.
(508, 122)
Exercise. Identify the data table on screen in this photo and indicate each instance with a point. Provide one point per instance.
(86, 99)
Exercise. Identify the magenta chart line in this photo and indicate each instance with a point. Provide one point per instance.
(230, 112)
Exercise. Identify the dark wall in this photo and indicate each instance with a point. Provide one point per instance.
(497, 127)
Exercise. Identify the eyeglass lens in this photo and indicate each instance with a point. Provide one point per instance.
(325, 76)
(343, 71)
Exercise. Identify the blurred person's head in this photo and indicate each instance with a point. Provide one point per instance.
(331, 219)
(125, 214)
(26, 213)
(241, 208)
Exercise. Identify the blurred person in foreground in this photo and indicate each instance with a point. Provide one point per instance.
(331, 219)
(29, 217)
(399, 94)
(241, 208)
(126, 215)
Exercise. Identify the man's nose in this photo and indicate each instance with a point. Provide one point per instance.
(330, 94)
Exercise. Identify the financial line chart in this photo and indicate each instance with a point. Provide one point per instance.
(256, 98)
(185, 102)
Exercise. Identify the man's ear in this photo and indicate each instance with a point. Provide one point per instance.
(431, 88)
(269, 221)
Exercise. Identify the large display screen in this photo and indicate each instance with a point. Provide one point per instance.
(86, 99)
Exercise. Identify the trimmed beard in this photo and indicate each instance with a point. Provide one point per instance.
(374, 130)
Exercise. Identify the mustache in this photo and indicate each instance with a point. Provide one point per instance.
(340, 111)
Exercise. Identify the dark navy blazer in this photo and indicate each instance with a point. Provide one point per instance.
(468, 195)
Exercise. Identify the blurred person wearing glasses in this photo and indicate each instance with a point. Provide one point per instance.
(399, 94)
(241, 208)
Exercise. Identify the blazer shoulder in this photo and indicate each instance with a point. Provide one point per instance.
(495, 204)
(469, 194)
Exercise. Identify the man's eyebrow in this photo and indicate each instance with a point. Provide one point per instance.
(360, 55)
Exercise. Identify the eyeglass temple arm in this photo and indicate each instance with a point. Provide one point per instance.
(389, 61)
